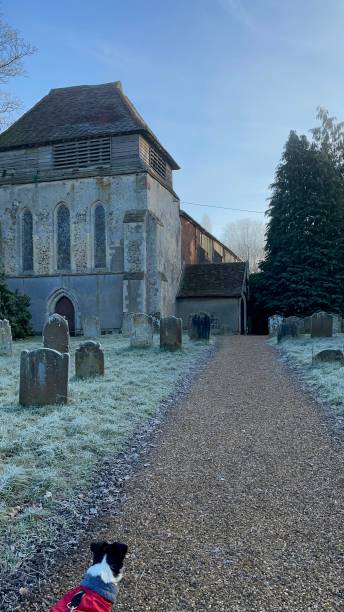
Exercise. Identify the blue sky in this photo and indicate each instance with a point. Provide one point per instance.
(221, 82)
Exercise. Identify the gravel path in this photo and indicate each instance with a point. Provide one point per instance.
(240, 506)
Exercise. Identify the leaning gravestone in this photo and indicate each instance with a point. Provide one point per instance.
(329, 356)
(91, 327)
(43, 377)
(287, 330)
(274, 322)
(170, 333)
(141, 331)
(89, 360)
(321, 325)
(199, 326)
(298, 321)
(5, 338)
(56, 334)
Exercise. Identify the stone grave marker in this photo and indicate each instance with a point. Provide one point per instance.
(5, 338)
(287, 330)
(142, 331)
(170, 333)
(337, 323)
(89, 360)
(43, 377)
(91, 327)
(321, 325)
(56, 334)
(199, 326)
(274, 322)
(127, 324)
(329, 356)
(298, 321)
(307, 323)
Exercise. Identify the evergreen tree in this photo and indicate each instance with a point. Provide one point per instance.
(14, 307)
(304, 266)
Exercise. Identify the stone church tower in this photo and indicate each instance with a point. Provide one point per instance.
(89, 219)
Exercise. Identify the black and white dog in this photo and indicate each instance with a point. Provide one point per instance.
(99, 588)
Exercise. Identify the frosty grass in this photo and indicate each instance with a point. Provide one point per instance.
(46, 451)
(326, 380)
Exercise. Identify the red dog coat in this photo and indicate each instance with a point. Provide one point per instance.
(82, 599)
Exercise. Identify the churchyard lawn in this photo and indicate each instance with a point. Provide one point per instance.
(325, 380)
(47, 452)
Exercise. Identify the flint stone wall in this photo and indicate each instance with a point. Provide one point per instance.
(171, 333)
(89, 360)
(43, 377)
(142, 331)
(5, 337)
(56, 334)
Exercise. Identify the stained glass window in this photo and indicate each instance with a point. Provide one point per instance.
(27, 241)
(99, 237)
(63, 238)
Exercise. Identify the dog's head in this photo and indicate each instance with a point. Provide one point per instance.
(115, 554)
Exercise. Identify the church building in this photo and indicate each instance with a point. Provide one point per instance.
(89, 218)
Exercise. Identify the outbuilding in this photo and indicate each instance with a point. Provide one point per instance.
(221, 290)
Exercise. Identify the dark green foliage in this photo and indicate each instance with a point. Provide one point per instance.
(304, 266)
(14, 307)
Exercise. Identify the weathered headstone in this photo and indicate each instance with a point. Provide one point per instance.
(91, 327)
(43, 377)
(298, 321)
(307, 321)
(142, 331)
(127, 324)
(199, 326)
(5, 337)
(287, 330)
(321, 325)
(337, 323)
(89, 360)
(56, 334)
(329, 356)
(274, 322)
(170, 333)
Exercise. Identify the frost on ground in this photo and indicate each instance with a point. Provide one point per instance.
(326, 380)
(48, 452)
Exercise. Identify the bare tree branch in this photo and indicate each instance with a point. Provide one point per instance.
(246, 237)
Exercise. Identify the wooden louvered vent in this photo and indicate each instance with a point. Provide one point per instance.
(83, 153)
(157, 162)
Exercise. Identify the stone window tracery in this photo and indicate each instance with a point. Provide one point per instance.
(99, 237)
(63, 238)
(27, 241)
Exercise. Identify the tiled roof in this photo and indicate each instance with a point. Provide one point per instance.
(213, 280)
(71, 113)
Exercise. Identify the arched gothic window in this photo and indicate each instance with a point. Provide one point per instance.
(99, 237)
(63, 238)
(27, 241)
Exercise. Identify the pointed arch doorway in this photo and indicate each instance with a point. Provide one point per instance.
(65, 308)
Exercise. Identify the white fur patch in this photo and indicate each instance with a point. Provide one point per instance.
(104, 571)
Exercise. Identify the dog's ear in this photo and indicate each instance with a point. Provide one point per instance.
(119, 549)
(115, 556)
(98, 550)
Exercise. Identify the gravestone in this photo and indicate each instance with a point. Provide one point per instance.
(274, 322)
(337, 323)
(56, 334)
(199, 326)
(298, 321)
(329, 356)
(43, 377)
(5, 338)
(321, 325)
(89, 360)
(307, 323)
(287, 330)
(91, 327)
(127, 324)
(170, 333)
(142, 331)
